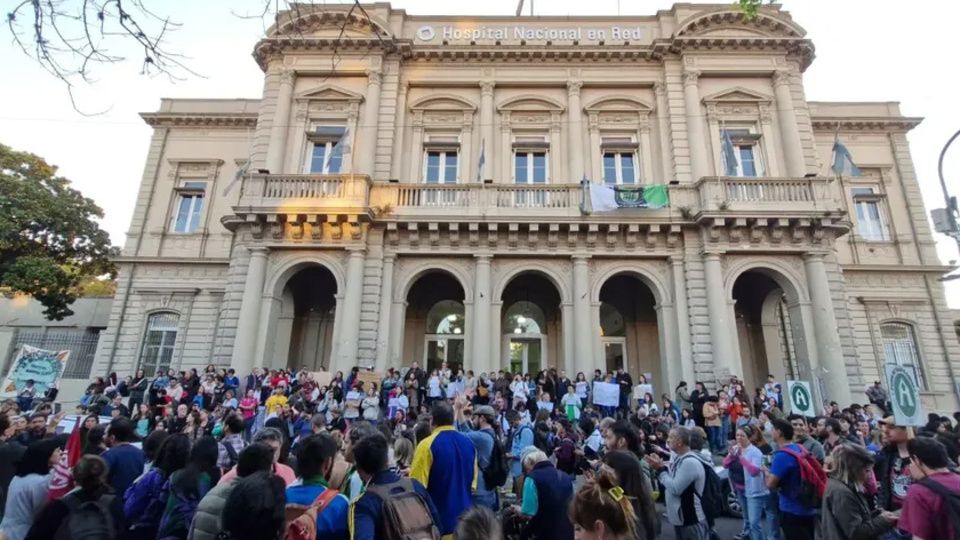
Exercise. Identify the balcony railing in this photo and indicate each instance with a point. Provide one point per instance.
(765, 196)
(306, 192)
(434, 200)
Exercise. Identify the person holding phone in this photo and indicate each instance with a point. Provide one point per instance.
(845, 512)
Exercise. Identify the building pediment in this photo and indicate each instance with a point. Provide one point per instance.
(307, 20)
(726, 22)
(618, 103)
(738, 94)
(530, 102)
(330, 92)
(442, 102)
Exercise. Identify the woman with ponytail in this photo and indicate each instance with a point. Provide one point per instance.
(602, 511)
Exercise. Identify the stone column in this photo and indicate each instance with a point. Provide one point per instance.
(721, 327)
(505, 161)
(575, 132)
(416, 150)
(829, 352)
(385, 322)
(646, 154)
(679, 281)
(566, 325)
(349, 336)
(370, 122)
(766, 130)
(663, 125)
(496, 355)
(396, 159)
(467, 171)
(582, 329)
(486, 129)
(480, 327)
(789, 130)
(699, 162)
(596, 154)
(244, 344)
(277, 150)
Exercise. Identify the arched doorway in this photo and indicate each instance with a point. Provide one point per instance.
(765, 333)
(305, 329)
(530, 322)
(629, 332)
(435, 325)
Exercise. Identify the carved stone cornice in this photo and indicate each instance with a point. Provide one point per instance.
(866, 124)
(200, 120)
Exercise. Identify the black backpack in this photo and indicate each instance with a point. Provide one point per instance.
(951, 503)
(711, 500)
(496, 473)
(87, 520)
(231, 454)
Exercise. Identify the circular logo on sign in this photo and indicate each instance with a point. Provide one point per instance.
(801, 397)
(425, 33)
(903, 393)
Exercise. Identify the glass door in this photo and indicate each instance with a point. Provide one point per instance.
(442, 349)
(615, 351)
(526, 355)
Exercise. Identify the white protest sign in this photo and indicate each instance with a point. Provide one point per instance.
(606, 394)
(642, 389)
(801, 399)
(904, 396)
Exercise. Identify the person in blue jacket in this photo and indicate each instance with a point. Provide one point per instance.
(315, 457)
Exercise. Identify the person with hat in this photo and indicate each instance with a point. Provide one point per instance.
(479, 429)
(892, 465)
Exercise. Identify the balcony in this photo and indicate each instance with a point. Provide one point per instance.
(757, 198)
(479, 200)
(305, 194)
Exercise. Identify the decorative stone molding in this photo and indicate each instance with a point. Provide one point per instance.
(781, 77)
(660, 88)
(902, 124)
(374, 77)
(486, 88)
(691, 77)
(200, 119)
(574, 87)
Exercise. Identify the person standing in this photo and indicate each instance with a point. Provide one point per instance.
(801, 437)
(315, 457)
(892, 465)
(138, 388)
(745, 463)
(846, 513)
(10, 454)
(446, 463)
(926, 509)
(683, 482)
(681, 397)
(602, 510)
(480, 432)
(520, 436)
(797, 520)
(232, 444)
(124, 461)
(29, 488)
(546, 496)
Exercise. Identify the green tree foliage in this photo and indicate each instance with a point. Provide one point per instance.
(50, 242)
(749, 8)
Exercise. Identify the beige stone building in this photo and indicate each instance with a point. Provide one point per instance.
(452, 230)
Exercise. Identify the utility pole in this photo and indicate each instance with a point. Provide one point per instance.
(947, 220)
(520, 8)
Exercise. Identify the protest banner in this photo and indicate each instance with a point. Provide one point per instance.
(642, 389)
(41, 366)
(606, 394)
(321, 378)
(370, 377)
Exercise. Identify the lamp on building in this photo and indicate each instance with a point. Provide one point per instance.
(674, 182)
(488, 180)
(394, 180)
(263, 171)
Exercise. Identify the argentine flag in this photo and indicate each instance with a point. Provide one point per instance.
(843, 164)
(729, 154)
(342, 148)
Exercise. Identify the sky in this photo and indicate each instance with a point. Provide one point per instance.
(867, 50)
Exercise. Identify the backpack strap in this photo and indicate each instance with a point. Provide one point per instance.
(938, 488)
(324, 499)
(799, 455)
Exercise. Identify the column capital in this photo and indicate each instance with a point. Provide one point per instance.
(691, 77)
(287, 75)
(675, 259)
(484, 258)
(781, 77)
(486, 88)
(404, 86)
(660, 88)
(711, 255)
(582, 259)
(258, 251)
(814, 256)
(374, 77)
(389, 258)
(573, 88)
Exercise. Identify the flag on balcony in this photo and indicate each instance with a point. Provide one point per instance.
(843, 164)
(237, 177)
(342, 148)
(729, 154)
(481, 162)
(606, 198)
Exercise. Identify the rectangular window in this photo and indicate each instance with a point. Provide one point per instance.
(900, 348)
(441, 167)
(870, 224)
(746, 150)
(322, 156)
(159, 342)
(530, 167)
(619, 168)
(189, 207)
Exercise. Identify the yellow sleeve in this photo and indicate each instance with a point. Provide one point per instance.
(422, 462)
(476, 474)
(350, 519)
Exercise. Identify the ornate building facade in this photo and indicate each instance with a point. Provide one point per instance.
(451, 229)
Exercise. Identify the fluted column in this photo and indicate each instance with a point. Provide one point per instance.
(789, 129)
(349, 338)
(396, 158)
(575, 131)
(663, 125)
(281, 123)
(416, 150)
(699, 162)
(721, 327)
(245, 342)
(480, 325)
(679, 281)
(486, 130)
(369, 123)
(582, 329)
(829, 351)
(385, 325)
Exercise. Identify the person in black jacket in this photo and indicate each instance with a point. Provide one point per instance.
(892, 465)
(138, 387)
(10, 454)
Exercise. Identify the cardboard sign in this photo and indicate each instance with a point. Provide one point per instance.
(370, 377)
(321, 378)
(905, 396)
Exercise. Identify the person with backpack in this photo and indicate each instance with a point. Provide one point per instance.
(684, 483)
(187, 487)
(315, 510)
(846, 511)
(491, 457)
(392, 507)
(229, 448)
(931, 510)
(519, 437)
(91, 512)
(801, 482)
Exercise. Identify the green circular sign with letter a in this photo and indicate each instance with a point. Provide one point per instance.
(801, 401)
(904, 392)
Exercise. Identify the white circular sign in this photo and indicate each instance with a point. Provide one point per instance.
(425, 33)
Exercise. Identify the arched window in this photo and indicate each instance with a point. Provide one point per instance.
(158, 342)
(524, 318)
(611, 321)
(900, 348)
(446, 317)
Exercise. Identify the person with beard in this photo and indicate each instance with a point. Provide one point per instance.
(38, 429)
(480, 431)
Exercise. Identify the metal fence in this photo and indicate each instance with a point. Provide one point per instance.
(82, 347)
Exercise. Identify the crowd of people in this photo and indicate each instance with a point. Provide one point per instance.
(424, 454)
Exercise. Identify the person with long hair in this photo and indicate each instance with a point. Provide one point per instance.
(633, 481)
(745, 463)
(89, 422)
(601, 510)
(255, 509)
(146, 499)
(28, 489)
(846, 514)
(187, 487)
(90, 478)
(143, 420)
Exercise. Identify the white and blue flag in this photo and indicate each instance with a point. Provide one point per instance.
(729, 154)
(341, 149)
(481, 162)
(843, 164)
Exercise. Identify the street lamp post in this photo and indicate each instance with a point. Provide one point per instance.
(945, 220)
